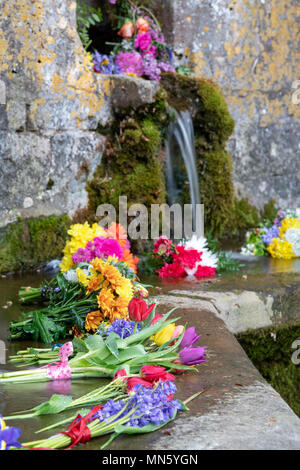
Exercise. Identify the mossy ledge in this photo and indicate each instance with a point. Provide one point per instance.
(26, 244)
(270, 350)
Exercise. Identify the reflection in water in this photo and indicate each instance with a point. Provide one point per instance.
(59, 386)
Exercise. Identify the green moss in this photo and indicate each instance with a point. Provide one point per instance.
(243, 217)
(131, 166)
(26, 244)
(269, 211)
(270, 351)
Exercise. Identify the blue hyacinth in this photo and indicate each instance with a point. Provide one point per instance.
(271, 233)
(150, 405)
(123, 328)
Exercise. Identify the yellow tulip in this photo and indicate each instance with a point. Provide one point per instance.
(164, 335)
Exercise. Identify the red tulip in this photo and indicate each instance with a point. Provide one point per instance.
(133, 381)
(120, 373)
(155, 373)
(138, 309)
(156, 317)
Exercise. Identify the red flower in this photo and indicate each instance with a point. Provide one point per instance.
(187, 257)
(139, 310)
(157, 317)
(133, 381)
(172, 270)
(120, 373)
(155, 373)
(205, 271)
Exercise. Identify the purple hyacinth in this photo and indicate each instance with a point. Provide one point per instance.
(122, 328)
(150, 405)
(271, 233)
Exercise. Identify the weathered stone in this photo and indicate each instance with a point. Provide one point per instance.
(131, 91)
(252, 51)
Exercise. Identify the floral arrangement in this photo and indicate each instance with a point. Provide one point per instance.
(281, 239)
(143, 51)
(145, 338)
(190, 258)
(96, 283)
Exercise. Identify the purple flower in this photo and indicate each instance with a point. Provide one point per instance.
(9, 436)
(192, 356)
(130, 62)
(112, 2)
(143, 41)
(123, 328)
(271, 233)
(105, 64)
(281, 214)
(165, 67)
(150, 405)
(189, 338)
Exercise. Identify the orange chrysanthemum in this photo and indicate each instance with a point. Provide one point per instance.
(129, 259)
(93, 320)
(106, 300)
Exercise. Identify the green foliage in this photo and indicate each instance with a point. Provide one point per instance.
(270, 351)
(244, 216)
(184, 70)
(269, 213)
(87, 16)
(225, 260)
(26, 244)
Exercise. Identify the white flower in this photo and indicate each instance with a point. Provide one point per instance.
(71, 275)
(207, 259)
(292, 235)
(199, 244)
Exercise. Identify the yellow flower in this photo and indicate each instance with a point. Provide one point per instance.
(125, 290)
(164, 335)
(281, 249)
(80, 235)
(105, 300)
(82, 277)
(288, 223)
(93, 320)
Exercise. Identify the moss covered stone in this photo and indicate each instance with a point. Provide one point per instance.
(270, 350)
(26, 244)
(132, 165)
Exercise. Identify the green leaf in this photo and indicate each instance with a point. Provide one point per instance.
(56, 404)
(80, 345)
(94, 342)
(112, 344)
(127, 354)
(43, 327)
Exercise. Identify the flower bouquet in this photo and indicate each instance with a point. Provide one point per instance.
(96, 283)
(147, 409)
(189, 258)
(280, 239)
(143, 51)
(151, 338)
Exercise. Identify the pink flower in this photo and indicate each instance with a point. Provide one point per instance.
(143, 41)
(127, 30)
(172, 270)
(205, 271)
(130, 62)
(186, 257)
(162, 246)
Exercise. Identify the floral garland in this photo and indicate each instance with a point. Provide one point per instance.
(281, 239)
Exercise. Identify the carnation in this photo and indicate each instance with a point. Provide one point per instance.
(130, 62)
(143, 41)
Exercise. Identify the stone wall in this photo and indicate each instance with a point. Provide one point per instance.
(49, 111)
(252, 49)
